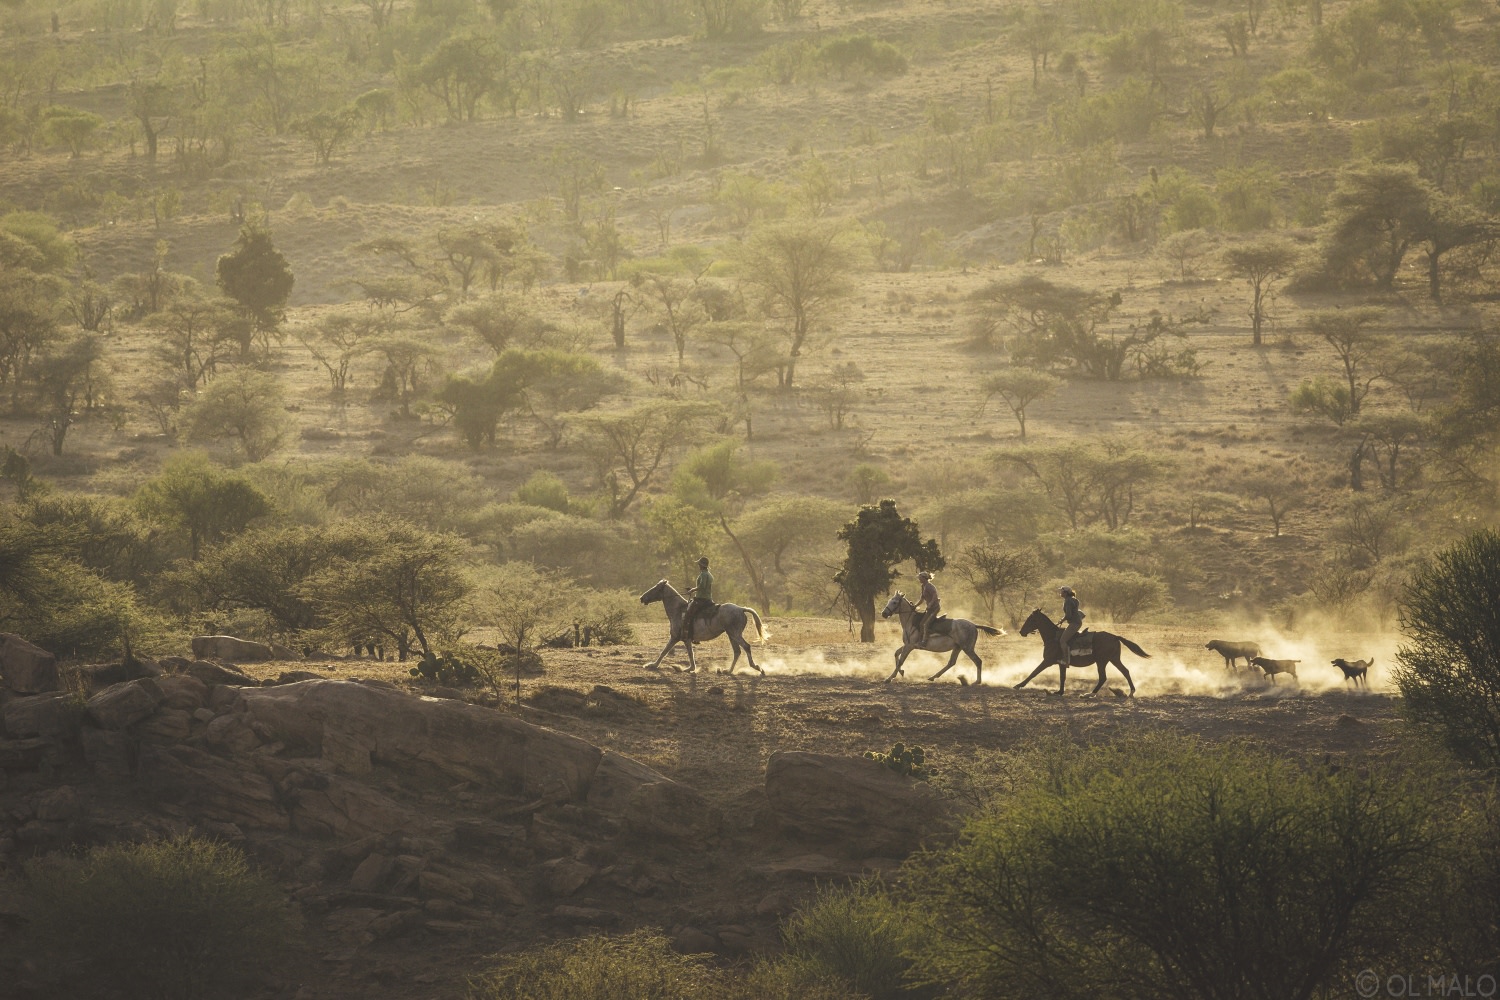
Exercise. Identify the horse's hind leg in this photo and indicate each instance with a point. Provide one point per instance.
(978, 665)
(951, 660)
(1121, 668)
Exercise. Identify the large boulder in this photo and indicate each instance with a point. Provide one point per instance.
(121, 705)
(227, 647)
(212, 674)
(857, 805)
(212, 788)
(55, 716)
(25, 668)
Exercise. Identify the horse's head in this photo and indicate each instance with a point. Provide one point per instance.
(893, 604)
(1034, 621)
(655, 593)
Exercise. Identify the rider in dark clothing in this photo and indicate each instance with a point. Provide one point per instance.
(703, 596)
(1072, 618)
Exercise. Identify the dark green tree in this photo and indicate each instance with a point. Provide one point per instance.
(206, 502)
(879, 539)
(1449, 668)
(257, 276)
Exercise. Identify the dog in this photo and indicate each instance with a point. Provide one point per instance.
(1358, 671)
(1232, 651)
(1274, 667)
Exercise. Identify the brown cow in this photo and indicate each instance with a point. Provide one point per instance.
(1358, 671)
(1274, 667)
(1232, 651)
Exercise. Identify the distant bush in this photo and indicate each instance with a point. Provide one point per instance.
(904, 760)
(1169, 867)
(1121, 595)
(173, 919)
(544, 489)
(861, 54)
(1449, 669)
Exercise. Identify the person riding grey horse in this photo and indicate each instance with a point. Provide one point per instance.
(703, 596)
(1072, 617)
(932, 605)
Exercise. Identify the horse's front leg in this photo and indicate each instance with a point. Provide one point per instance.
(901, 655)
(1032, 676)
(662, 655)
(951, 660)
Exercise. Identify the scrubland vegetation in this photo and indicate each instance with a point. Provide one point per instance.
(414, 322)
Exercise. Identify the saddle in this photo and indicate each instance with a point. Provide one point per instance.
(1082, 644)
(939, 626)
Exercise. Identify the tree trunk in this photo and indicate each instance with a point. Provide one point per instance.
(866, 608)
(1357, 466)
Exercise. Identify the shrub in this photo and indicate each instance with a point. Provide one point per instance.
(856, 934)
(910, 761)
(174, 919)
(544, 489)
(1121, 594)
(641, 965)
(862, 53)
(1449, 669)
(1167, 867)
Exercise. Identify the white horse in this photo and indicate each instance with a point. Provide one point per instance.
(727, 619)
(962, 634)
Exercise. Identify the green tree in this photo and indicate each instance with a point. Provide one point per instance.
(553, 384)
(1004, 579)
(1449, 667)
(256, 275)
(801, 267)
(72, 127)
(194, 496)
(404, 584)
(153, 104)
(1261, 263)
(477, 405)
(879, 539)
(72, 372)
(627, 449)
(1019, 388)
(1176, 868)
(526, 606)
(196, 336)
(244, 406)
(1357, 347)
(268, 568)
(327, 131)
(1377, 213)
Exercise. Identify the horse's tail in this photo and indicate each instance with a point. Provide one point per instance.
(989, 629)
(1138, 651)
(758, 630)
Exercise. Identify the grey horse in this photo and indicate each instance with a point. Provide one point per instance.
(962, 634)
(727, 619)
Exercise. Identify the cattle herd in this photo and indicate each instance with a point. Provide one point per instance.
(1357, 671)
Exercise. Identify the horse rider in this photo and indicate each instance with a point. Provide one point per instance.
(930, 602)
(703, 595)
(1072, 621)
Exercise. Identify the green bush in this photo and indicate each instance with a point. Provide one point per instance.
(637, 966)
(909, 761)
(858, 935)
(862, 54)
(1169, 867)
(173, 919)
(1121, 595)
(1449, 668)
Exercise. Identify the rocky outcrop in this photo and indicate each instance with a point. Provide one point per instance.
(25, 668)
(227, 647)
(55, 716)
(858, 806)
(122, 705)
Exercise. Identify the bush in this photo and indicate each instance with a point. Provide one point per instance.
(1121, 595)
(174, 919)
(1168, 867)
(857, 935)
(641, 966)
(1449, 669)
(904, 760)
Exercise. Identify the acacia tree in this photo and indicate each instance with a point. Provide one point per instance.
(404, 584)
(1345, 331)
(879, 539)
(65, 374)
(1261, 263)
(800, 266)
(1378, 212)
(196, 335)
(206, 502)
(1001, 577)
(627, 449)
(244, 406)
(1019, 388)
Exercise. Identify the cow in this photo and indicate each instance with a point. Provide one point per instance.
(1358, 671)
(1232, 651)
(1274, 667)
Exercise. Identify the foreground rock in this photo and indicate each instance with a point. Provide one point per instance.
(25, 668)
(859, 806)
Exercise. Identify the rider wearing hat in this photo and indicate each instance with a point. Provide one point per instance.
(1072, 620)
(929, 601)
(703, 595)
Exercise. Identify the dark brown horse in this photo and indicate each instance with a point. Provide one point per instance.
(1106, 651)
